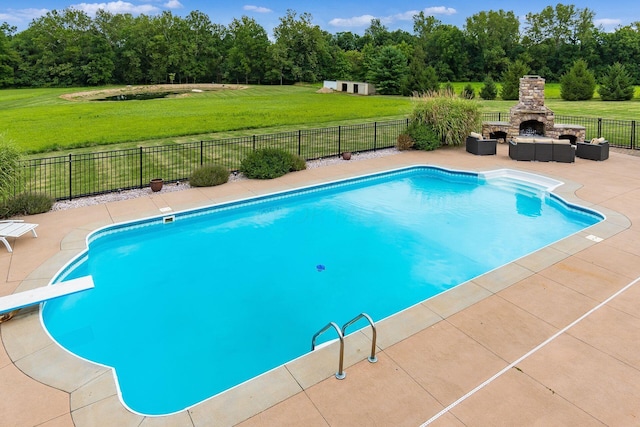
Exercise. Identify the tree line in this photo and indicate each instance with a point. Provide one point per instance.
(70, 48)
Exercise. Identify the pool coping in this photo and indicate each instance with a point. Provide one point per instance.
(92, 388)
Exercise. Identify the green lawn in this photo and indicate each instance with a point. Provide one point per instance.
(39, 121)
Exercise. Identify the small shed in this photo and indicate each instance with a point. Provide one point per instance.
(359, 88)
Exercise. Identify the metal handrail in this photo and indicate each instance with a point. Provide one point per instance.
(340, 374)
(372, 358)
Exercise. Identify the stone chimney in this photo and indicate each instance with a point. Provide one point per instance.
(532, 93)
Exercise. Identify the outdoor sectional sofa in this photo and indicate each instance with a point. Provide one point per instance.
(542, 149)
(597, 149)
(476, 144)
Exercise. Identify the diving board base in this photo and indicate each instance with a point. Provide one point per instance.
(38, 295)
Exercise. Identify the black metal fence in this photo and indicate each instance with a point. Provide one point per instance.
(79, 175)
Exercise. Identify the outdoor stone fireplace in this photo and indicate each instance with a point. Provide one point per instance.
(531, 117)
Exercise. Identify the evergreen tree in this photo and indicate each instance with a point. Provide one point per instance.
(468, 92)
(389, 71)
(577, 84)
(419, 79)
(616, 85)
(489, 91)
(511, 80)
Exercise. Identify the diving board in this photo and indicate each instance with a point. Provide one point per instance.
(38, 295)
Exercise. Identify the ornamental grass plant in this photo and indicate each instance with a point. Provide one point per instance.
(452, 118)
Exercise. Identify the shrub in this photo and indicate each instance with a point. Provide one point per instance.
(26, 204)
(424, 136)
(208, 176)
(450, 117)
(447, 89)
(468, 92)
(489, 91)
(616, 85)
(9, 170)
(577, 84)
(511, 80)
(405, 142)
(267, 163)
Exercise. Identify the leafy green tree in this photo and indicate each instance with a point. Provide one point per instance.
(301, 50)
(376, 34)
(445, 46)
(511, 80)
(247, 55)
(389, 72)
(577, 84)
(557, 36)
(206, 48)
(9, 58)
(616, 84)
(489, 89)
(494, 38)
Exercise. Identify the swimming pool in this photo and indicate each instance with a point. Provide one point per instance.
(186, 309)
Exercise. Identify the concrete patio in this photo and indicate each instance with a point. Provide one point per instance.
(550, 339)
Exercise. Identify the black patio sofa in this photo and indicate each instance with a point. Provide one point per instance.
(542, 150)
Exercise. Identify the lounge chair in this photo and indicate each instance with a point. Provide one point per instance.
(15, 228)
(476, 144)
(598, 149)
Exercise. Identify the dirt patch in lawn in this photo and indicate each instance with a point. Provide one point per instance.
(177, 90)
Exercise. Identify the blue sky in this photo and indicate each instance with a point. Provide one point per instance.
(333, 16)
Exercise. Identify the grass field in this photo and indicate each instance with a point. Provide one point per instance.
(40, 121)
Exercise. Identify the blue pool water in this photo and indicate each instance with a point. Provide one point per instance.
(187, 309)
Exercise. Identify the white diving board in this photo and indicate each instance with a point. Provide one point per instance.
(38, 295)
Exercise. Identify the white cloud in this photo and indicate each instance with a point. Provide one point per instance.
(116, 7)
(607, 22)
(17, 16)
(173, 4)
(257, 9)
(365, 20)
(356, 21)
(439, 10)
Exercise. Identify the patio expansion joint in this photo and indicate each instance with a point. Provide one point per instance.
(529, 353)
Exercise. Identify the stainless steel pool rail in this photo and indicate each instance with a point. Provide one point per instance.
(340, 374)
(341, 334)
(372, 358)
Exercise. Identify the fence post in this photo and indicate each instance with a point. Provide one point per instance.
(253, 138)
(499, 116)
(299, 141)
(70, 176)
(599, 127)
(201, 152)
(375, 135)
(633, 134)
(339, 140)
(140, 168)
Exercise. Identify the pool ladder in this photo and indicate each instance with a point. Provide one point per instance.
(341, 334)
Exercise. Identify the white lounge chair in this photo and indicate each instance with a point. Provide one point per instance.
(15, 228)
